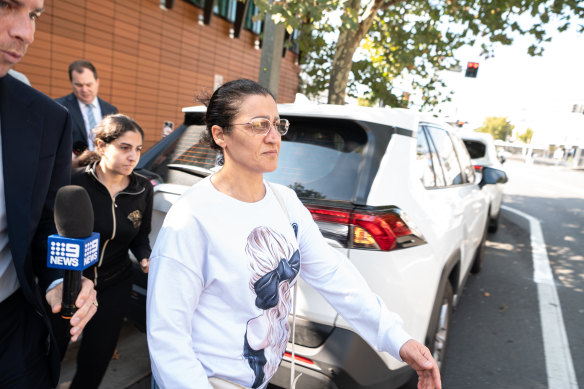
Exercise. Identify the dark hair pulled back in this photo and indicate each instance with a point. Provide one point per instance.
(223, 107)
(109, 129)
(114, 126)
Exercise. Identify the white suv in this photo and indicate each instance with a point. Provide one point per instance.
(392, 189)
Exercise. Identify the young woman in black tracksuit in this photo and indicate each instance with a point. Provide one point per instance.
(122, 206)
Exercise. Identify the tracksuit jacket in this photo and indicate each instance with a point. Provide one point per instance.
(123, 222)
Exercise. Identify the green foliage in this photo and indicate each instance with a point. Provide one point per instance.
(398, 44)
(316, 63)
(365, 102)
(412, 39)
(498, 127)
(526, 136)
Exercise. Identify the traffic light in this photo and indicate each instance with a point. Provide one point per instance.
(472, 69)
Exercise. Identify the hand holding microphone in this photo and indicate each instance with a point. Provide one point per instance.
(74, 249)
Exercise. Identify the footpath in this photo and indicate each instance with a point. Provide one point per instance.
(129, 369)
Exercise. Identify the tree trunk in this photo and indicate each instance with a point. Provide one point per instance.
(342, 61)
(346, 46)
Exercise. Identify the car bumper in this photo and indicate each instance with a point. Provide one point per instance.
(343, 360)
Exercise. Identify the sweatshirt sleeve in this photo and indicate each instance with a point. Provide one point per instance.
(332, 274)
(175, 284)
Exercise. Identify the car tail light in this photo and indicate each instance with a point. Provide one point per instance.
(298, 358)
(478, 168)
(385, 228)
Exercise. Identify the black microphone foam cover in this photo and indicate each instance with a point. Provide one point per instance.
(73, 212)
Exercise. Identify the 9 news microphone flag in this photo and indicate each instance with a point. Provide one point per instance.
(76, 247)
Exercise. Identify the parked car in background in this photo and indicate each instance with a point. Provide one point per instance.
(393, 190)
(481, 148)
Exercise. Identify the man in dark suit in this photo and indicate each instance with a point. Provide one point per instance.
(35, 138)
(85, 108)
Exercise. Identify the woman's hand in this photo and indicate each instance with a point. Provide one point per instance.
(145, 264)
(420, 359)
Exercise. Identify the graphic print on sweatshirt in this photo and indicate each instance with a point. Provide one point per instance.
(274, 265)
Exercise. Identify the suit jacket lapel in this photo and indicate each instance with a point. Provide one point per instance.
(76, 115)
(105, 110)
(20, 151)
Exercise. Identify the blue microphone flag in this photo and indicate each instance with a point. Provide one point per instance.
(72, 254)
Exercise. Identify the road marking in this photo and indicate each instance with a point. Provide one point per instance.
(558, 359)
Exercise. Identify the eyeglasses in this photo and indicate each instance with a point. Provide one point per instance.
(261, 126)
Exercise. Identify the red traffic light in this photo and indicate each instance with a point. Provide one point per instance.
(472, 69)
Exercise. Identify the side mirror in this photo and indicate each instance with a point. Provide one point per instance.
(492, 176)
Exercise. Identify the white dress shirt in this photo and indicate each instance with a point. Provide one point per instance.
(8, 277)
(96, 114)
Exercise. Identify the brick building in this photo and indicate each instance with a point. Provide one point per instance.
(151, 61)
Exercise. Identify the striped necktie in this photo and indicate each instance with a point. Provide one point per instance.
(92, 124)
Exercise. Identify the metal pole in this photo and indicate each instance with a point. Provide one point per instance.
(272, 46)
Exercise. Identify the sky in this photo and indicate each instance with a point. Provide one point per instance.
(533, 92)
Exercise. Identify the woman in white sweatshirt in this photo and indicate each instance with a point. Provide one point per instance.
(231, 250)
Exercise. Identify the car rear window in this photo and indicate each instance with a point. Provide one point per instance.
(475, 149)
(319, 159)
(192, 151)
(183, 161)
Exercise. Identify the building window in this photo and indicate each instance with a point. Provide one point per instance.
(225, 9)
(255, 27)
(198, 3)
(294, 39)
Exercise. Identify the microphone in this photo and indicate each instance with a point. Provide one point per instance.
(75, 247)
